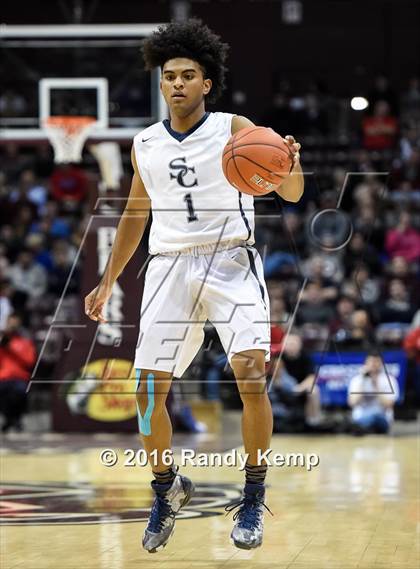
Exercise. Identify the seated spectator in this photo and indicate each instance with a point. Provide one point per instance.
(284, 248)
(409, 170)
(410, 100)
(31, 190)
(314, 309)
(344, 308)
(28, 278)
(4, 261)
(372, 395)
(405, 195)
(11, 241)
(51, 224)
(367, 285)
(325, 269)
(369, 222)
(5, 305)
(62, 273)
(279, 313)
(36, 242)
(359, 250)
(404, 240)
(22, 220)
(380, 129)
(397, 307)
(399, 268)
(293, 388)
(17, 358)
(359, 333)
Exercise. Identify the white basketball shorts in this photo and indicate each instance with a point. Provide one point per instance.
(183, 290)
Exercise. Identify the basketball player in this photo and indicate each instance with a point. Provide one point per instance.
(204, 267)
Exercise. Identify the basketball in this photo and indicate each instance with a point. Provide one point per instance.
(256, 160)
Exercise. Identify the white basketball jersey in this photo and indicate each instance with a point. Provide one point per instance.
(192, 202)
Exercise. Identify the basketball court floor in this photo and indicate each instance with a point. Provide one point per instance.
(357, 509)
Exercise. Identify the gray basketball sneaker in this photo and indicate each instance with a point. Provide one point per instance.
(247, 533)
(169, 499)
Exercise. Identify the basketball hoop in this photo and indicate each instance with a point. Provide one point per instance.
(67, 135)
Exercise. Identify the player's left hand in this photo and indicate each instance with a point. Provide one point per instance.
(294, 148)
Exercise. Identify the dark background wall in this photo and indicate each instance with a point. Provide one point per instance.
(341, 44)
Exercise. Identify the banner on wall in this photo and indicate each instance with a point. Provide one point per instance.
(335, 371)
(94, 380)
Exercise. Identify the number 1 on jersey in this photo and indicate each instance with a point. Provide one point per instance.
(191, 212)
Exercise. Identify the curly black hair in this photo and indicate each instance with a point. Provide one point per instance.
(193, 40)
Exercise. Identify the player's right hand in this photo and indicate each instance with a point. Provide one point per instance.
(95, 302)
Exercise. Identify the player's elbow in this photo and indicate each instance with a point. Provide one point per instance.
(292, 196)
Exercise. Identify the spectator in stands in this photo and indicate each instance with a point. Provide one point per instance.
(397, 307)
(69, 186)
(359, 250)
(62, 273)
(28, 278)
(5, 305)
(404, 240)
(398, 268)
(367, 285)
(314, 309)
(325, 269)
(409, 170)
(17, 358)
(344, 308)
(405, 194)
(10, 241)
(410, 100)
(279, 313)
(380, 130)
(51, 223)
(293, 384)
(372, 395)
(4, 261)
(369, 222)
(288, 241)
(22, 220)
(31, 190)
(359, 334)
(37, 243)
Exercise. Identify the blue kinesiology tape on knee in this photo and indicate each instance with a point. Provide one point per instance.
(145, 427)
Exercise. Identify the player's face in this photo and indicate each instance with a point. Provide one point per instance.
(183, 85)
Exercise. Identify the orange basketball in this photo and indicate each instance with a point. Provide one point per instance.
(256, 160)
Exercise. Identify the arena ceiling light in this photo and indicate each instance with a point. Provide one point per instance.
(359, 103)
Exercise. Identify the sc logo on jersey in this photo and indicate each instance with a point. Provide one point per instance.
(179, 164)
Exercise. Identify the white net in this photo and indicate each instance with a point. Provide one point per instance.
(68, 135)
(108, 155)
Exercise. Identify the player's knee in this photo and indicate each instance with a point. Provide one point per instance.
(249, 364)
(153, 386)
(143, 400)
(252, 390)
